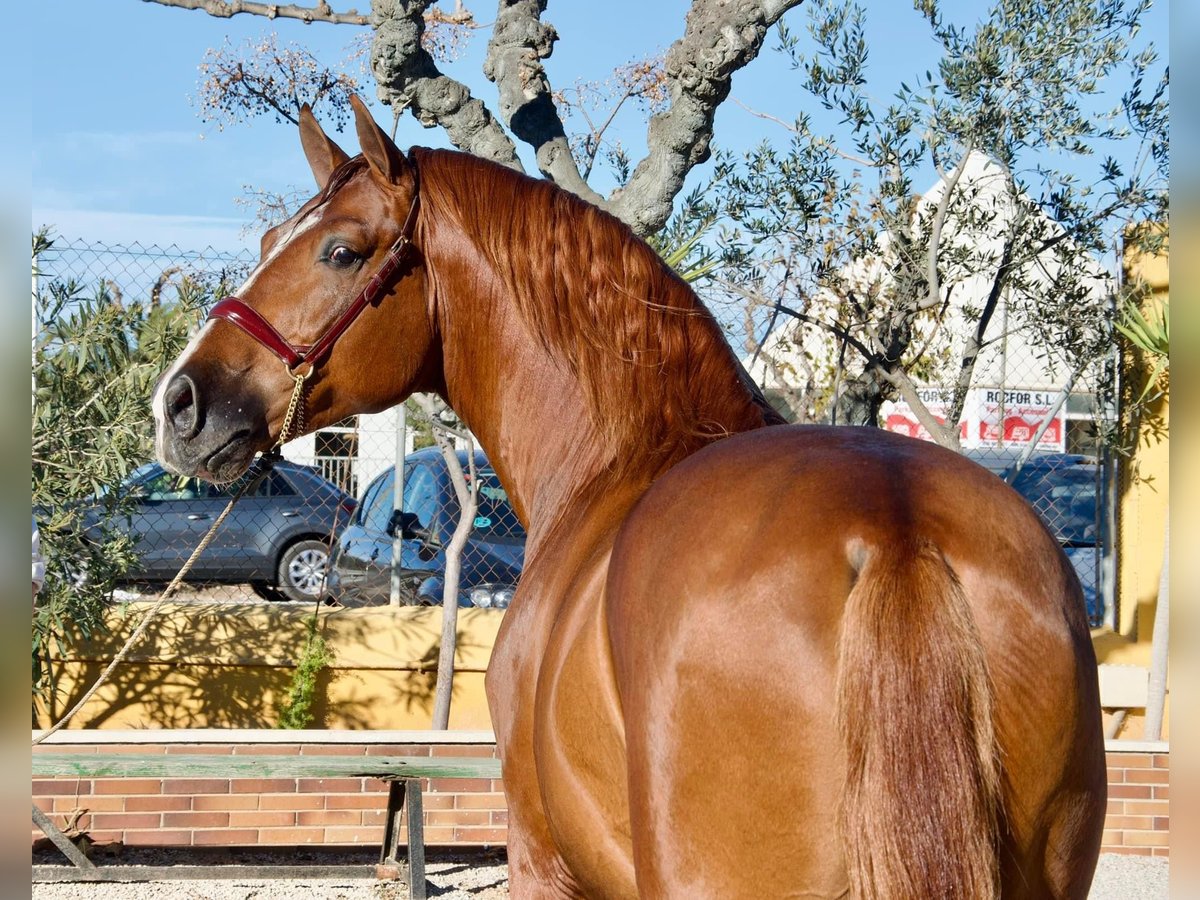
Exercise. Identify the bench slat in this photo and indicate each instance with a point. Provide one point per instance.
(179, 765)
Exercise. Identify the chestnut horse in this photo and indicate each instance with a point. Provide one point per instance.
(745, 659)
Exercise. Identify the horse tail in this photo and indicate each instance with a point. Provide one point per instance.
(920, 815)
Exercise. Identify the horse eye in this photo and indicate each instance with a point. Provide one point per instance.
(342, 255)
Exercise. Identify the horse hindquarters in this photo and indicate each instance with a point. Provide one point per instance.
(920, 811)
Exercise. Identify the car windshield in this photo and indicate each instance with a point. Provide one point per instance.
(1065, 499)
(495, 515)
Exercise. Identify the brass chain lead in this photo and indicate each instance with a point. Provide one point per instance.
(295, 410)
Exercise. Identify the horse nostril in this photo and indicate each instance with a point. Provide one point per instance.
(182, 407)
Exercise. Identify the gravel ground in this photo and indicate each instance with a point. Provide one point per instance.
(486, 878)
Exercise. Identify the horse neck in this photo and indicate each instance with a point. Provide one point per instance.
(571, 385)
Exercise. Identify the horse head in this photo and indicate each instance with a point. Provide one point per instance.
(335, 282)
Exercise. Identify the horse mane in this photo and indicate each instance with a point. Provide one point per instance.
(657, 373)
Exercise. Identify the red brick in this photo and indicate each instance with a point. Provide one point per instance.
(1146, 839)
(1162, 760)
(438, 801)
(59, 787)
(1145, 808)
(159, 837)
(195, 819)
(461, 785)
(227, 837)
(225, 801)
(291, 801)
(1162, 823)
(195, 786)
(500, 817)
(458, 818)
(355, 801)
(481, 835)
(326, 817)
(1161, 851)
(474, 751)
(330, 785)
(353, 835)
(257, 819)
(1125, 823)
(330, 750)
(125, 820)
(93, 804)
(291, 835)
(1112, 838)
(267, 750)
(127, 786)
(198, 750)
(441, 835)
(375, 817)
(1129, 791)
(1127, 851)
(480, 801)
(263, 785)
(1131, 760)
(1116, 776)
(1162, 792)
(392, 750)
(1147, 776)
(157, 802)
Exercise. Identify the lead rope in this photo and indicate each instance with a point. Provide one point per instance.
(294, 416)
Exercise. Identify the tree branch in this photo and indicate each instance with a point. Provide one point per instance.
(224, 9)
(720, 37)
(519, 41)
(409, 78)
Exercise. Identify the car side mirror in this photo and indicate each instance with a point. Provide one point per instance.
(407, 525)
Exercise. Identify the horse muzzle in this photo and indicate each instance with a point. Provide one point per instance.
(203, 431)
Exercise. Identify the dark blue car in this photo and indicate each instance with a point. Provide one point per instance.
(1063, 489)
(361, 570)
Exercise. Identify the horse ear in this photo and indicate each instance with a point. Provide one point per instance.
(323, 154)
(382, 154)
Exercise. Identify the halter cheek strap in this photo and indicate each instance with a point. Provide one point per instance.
(237, 312)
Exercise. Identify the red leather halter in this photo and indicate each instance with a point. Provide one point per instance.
(237, 312)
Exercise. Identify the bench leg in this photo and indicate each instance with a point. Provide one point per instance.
(415, 820)
(75, 855)
(404, 801)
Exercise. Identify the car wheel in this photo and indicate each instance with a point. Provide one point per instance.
(301, 574)
(266, 591)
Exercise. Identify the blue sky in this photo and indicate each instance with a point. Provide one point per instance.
(120, 155)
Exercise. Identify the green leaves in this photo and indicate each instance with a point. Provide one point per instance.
(96, 359)
(1149, 333)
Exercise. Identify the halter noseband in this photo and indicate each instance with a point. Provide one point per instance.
(237, 312)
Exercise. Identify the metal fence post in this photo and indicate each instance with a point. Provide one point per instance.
(398, 500)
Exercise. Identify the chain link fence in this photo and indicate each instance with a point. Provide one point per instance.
(326, 524)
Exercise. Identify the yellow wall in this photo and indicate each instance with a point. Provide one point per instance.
(1145, 487)
(1141, 513)
(228, 665)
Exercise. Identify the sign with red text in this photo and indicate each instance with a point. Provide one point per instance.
(991, 417)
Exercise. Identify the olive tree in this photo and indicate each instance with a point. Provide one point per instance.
(1047, 125)
(683, 92)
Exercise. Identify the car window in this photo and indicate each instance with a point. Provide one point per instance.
(273, 485)
(169, 486)
(495, 515)
(377, 504)
(421, 494)
(1065, 499)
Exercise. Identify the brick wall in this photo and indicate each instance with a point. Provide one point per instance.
(1138, 819)
(176, 812)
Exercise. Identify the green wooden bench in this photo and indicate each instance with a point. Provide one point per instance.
(400, 772)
